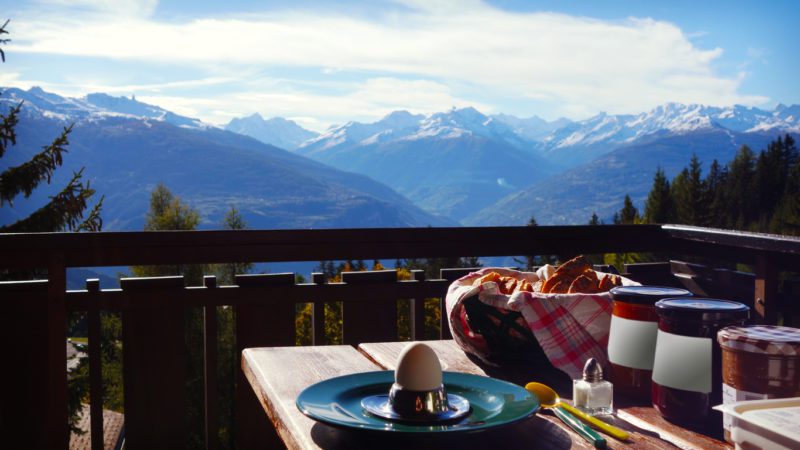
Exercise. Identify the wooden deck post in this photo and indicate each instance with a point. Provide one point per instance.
(154, 364)
(95, 369)
(56, 388)
(210, 349)
(267, 323)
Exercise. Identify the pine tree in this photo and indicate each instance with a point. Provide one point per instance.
(688, 194)
(530, 260)
(226, 273)
(168, 212)
(628, 214)
(773, 168)
(714, 185)
(595, 220)
(658, 207)
(743, 197)
(65, 210)
(786, 218)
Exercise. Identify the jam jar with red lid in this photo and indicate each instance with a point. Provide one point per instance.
(632, 337)
(687, 369)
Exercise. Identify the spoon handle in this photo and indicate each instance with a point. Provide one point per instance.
(585, 432)
(605, 427)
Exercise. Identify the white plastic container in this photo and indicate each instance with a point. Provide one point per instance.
(764, 424)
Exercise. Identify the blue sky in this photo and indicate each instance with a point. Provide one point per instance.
(322, 63)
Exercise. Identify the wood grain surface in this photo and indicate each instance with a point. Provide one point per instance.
(278, 375)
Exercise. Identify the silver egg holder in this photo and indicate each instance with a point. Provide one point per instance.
(404, 405)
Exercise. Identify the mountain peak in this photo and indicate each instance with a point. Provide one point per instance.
(276, 131)
(400, 119)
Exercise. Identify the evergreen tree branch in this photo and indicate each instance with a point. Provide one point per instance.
(4, 41)
(8, 134)
(93, 221)
(64, 211)
(25, 177)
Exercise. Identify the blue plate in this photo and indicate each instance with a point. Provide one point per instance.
(337, 402)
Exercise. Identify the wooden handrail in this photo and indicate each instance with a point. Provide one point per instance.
(172, 247)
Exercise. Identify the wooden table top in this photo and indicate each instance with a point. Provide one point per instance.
(279, 374)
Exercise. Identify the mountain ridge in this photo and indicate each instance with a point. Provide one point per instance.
(209, 168)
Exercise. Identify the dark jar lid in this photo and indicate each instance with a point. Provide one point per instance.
(646, 295)
(702, 310)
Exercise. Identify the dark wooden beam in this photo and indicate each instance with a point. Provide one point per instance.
(172, 247)
(95, 370)
(56, 387)
(210, 347)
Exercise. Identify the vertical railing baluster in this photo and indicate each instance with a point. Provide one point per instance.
(318, 314)
(95, 368)
(56, 388)
(444, 320)
(766, 292)
(372, 317)
(210, 346)
(418, 310)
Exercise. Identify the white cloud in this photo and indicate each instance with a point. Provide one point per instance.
(577, 63)
(135, 8)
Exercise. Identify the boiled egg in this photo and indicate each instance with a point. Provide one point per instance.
(418, 368)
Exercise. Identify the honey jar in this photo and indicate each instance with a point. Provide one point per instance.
(687, 369)
(758, 362)
(632, 337)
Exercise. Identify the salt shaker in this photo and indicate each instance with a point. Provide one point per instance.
(592, 394)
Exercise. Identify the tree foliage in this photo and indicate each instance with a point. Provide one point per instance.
(226, 273)
(628, 214)
(65, 210)
(754, 192)
(167, 212)
(658, 206)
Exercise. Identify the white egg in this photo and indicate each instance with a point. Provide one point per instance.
(418, 368)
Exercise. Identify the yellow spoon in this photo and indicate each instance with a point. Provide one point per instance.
(549, 399)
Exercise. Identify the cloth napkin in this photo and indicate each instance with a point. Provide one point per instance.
(570, 328)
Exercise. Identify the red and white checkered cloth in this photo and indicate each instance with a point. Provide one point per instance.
(570, 328)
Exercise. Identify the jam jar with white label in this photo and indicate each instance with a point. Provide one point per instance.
(759, 362)
(687, 369)
(632, 337)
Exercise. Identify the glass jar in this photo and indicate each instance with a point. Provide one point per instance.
(632, 337)
(687, 369)
(759, 362)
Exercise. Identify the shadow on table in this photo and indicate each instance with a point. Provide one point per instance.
(522, 372)
(534, 433)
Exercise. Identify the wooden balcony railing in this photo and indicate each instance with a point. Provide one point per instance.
(33, 318)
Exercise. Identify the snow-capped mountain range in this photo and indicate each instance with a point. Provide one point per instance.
(563, 142)
(91, 107)
(673, 118)
(404, 126)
